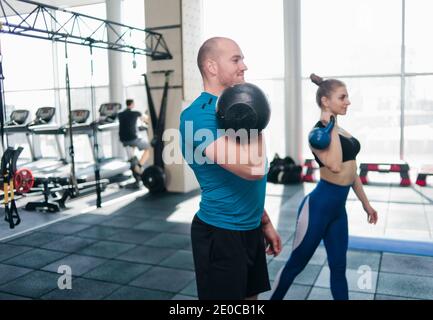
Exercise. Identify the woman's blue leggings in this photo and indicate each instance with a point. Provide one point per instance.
(321, 215)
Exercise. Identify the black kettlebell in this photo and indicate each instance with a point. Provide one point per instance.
(243, 106)
(320, 138)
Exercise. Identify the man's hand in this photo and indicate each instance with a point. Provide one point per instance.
(272, 239)
(145, 119)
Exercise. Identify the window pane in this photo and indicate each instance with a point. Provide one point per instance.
(133, 15)
(419, 49)
(79, 56)
(274, 132)
(81, 99)
(256, 25)
(418, 133)
(27, 63)
(349, 37)
(30, 100)
(373, 116)
(79, 66)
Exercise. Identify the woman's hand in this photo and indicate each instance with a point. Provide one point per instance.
(325, 117)
(371, 214)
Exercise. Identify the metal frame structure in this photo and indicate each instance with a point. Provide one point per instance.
(56, 24)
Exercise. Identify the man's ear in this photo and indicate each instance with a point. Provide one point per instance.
(212, 66)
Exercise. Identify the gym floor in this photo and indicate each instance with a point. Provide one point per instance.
(138, 247)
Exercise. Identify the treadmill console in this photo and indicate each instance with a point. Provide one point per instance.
(44, 115)
(108, 111)
(18, 117)
(80, 116)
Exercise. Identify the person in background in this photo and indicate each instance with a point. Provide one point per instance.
(129, 137)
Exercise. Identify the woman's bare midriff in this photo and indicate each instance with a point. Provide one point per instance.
(345, 177)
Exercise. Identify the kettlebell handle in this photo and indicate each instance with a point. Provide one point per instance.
(330, 125)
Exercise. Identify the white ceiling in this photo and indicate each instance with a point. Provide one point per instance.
(23, 8)
(69, 3)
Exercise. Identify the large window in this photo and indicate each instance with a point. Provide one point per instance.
(257, 26)
(133, 15)
(359, 42)
(79, 66)
(418, 134)
(35, 77)
(419, 47)
(26, 69)
(350, 37)
(28, 81)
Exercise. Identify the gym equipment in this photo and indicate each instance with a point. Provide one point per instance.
(49, 28)
(17, 118)
(8, 169)
(311, 166)
(320, 138)
(58, 184)
(243, 106)
(70, 28)
(422, 175)
(23, 180)
(398, 166)
(43, 119)
(154, 177)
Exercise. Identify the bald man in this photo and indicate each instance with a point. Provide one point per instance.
(229, 230)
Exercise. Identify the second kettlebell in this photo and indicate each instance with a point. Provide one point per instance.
(320, 138)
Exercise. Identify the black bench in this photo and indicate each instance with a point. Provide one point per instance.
(311, 165)
(425, 171)
(397, 166)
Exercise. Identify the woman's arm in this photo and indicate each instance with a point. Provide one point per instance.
(331, 157)
(359, 191)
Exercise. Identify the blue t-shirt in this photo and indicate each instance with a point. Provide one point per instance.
(228, 201)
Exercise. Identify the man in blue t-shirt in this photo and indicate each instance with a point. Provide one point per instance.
(229, 231)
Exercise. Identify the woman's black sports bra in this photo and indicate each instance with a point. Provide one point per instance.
(350, 146)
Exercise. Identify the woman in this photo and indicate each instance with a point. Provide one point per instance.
(322, 213)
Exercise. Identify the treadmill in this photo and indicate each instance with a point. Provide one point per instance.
(18, 125)
(112, 170)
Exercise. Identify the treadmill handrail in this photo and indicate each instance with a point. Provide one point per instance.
(78, 127)
(46, 129)
(16, 128)
(108, 126)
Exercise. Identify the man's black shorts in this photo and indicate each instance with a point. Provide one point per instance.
(228, 264)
